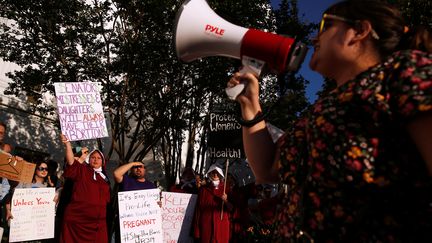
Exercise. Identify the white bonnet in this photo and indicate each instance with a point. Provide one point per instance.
(215, 167)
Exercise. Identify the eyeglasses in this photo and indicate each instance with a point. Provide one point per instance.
(42, 169)
(137, 166)
(324, 25)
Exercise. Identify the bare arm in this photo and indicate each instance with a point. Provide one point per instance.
(68, 150)
(421, 132)
(84, 154)
(259, 147)
(121, 170)
(8, 211)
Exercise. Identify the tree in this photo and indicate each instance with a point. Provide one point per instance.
(151, 97)
(292, 101)
(415, 12)
(125, 45)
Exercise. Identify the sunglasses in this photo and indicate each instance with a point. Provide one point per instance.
(137, 166)
(325, 24)
(42, 169)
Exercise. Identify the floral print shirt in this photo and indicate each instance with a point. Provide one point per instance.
(352, 171)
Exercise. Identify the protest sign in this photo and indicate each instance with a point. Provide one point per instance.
(225, 137)
(177, 215)
(16, 170)
(33, 211)
(140, 216)
(80, 110)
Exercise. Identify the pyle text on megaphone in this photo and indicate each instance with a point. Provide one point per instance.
(200, 32)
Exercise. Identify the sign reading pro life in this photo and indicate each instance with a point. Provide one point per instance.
(80, 110)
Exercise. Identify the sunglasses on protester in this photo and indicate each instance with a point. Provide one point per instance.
(42, 169)
(326, 22)
(137, 166)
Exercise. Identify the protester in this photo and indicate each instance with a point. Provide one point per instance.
(135, 180)
(40, 180)
(267, 205)
(65, 188)
(199, 180)
(211, 221)
(358, 165)
(4, 146)
(187, 182)
(85, 215)
(239, 205)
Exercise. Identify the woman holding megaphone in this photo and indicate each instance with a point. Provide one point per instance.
(358, 165)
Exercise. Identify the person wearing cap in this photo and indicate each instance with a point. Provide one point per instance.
(85, 215)
(211, 221)
(135, 180)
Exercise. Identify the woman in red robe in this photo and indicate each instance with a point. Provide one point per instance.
(85, 216)
(211, 224)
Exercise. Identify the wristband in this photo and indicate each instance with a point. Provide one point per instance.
(249, 123)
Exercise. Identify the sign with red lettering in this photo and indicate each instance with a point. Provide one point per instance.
(80, 110)
(33, 211)
(140, 216)
(177, 215)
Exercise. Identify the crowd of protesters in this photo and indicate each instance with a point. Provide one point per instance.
(356, 166)
(224, 212)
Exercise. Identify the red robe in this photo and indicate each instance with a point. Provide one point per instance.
(85, 216)
(208, 226)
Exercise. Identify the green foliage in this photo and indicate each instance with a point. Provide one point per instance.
(292, 100)
(416, 12)
(127, 46)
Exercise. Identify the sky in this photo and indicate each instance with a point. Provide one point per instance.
(311, 10)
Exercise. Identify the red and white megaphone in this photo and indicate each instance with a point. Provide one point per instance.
(200, 32)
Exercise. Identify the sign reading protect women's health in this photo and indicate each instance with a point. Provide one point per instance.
(140, 216)
(80, 110)
(33, 211)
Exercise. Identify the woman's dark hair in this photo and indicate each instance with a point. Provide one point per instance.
(3, 124)
(37, 166)
(389, 24)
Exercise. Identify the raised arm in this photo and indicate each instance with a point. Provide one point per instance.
(68, 150)
(259, 147)
(123, 169)
(421, 132)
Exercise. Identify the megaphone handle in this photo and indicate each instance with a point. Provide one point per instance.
(247, 67)
(233, 92)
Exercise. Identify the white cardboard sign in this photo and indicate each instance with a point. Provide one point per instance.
(33, 211)
(140, 216)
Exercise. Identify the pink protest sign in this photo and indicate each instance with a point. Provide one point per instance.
(177, 215)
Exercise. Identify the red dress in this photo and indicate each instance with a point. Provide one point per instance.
(85, 216)
(208, 225)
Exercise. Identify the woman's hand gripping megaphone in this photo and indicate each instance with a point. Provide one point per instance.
(248, 97)
(250, 65)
